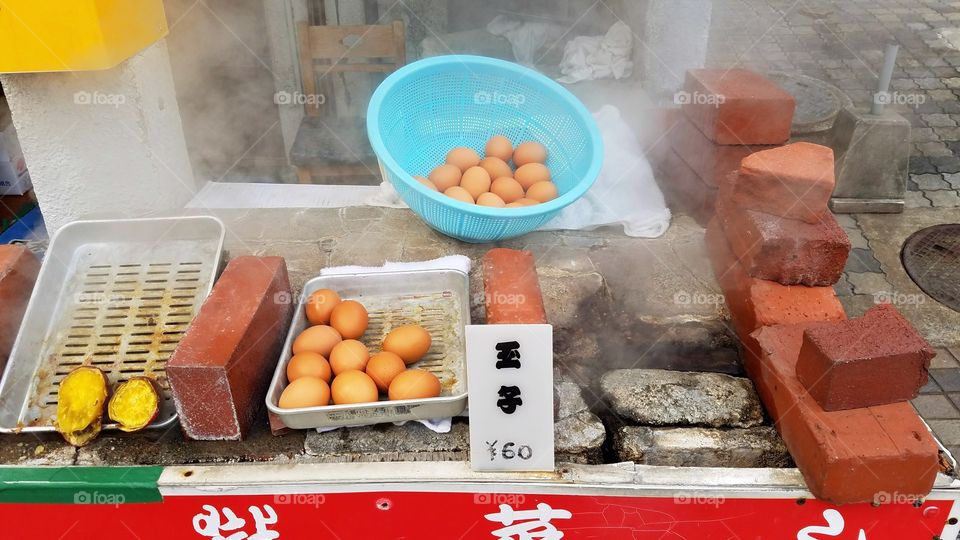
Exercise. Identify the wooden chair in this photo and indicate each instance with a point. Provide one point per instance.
(327, 145)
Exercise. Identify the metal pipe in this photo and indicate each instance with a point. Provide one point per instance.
(883, 91)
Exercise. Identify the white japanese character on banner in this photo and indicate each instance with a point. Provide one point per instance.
(528, 524)
(834, 527)
(211, 525)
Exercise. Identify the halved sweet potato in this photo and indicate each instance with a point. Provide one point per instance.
(80, 401)
(135, 403)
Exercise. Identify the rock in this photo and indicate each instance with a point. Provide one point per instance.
(579, 434)
(579, 438)
(662, 398)
(388, 442)
(701, 447)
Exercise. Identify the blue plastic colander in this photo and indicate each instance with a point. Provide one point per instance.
(423, 110)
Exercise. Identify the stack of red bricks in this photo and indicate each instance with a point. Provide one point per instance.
(835, 388)
(725, 116)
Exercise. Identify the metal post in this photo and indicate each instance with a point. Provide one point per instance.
(889, 61)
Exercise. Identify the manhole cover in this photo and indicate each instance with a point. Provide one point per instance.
(818, 102)
(931, 257)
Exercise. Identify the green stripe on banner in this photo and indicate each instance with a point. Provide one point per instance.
(79, 485)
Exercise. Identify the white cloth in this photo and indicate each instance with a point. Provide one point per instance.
(624, 194)
(587, 58)
(526, 38)
(450, 262)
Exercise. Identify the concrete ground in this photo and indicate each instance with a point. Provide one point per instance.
(842, 43)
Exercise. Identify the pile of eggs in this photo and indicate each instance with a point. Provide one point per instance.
(330, 364)
(491, 181)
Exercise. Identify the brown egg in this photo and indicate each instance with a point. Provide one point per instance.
(319, 305)
(496, 167)
(308, 364)
(348, 355)
(527, 202)
(353, 387)
(305, 392)
(460, 194)
(350, 319)
(507, 189)
(529, 152)
(410, 342)
(414, 384)
(531, 173)
(426, 182)
(463, 158)
(499, 147)
(445, 177)
(476, 181)
(383, 367)
(490, 199)
(319, 339)
(542, 191)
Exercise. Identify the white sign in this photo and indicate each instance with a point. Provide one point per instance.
(510, 382)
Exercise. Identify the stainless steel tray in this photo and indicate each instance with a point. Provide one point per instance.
(438, 300)
(116, 294)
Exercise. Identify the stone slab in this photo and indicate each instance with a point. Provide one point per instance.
(670, 398)
(701, 447)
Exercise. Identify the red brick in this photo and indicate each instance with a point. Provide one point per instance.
(848, 456)
(874, 360)
(512, 288)
(684, 191)
(788, 251)
(754, 110)
(18, 273)
(793, 181)
(711, 161)
(220, 370)
(755, 303)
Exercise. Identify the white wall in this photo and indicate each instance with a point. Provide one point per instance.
(103, 141)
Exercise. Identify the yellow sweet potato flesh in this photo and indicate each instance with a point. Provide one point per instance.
(81, 397)
(135, 403)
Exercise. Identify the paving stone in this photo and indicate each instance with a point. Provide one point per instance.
(944, 359)
(701, 447)
(928, 182)
(953, 180)
(869, 283)
(946, 164)
(862, 260)
(933, 149)
(664, 398)
(955, 399)
(943, 198)
(916, 199)
(931, 387)
(843, 287)
(942, 133)
(948, 379)
(921, 165)
(935, 407)
(947, 431)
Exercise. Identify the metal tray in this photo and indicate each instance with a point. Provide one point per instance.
(116, 294)
(438, 300)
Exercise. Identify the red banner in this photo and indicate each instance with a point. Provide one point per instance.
(443, 516)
